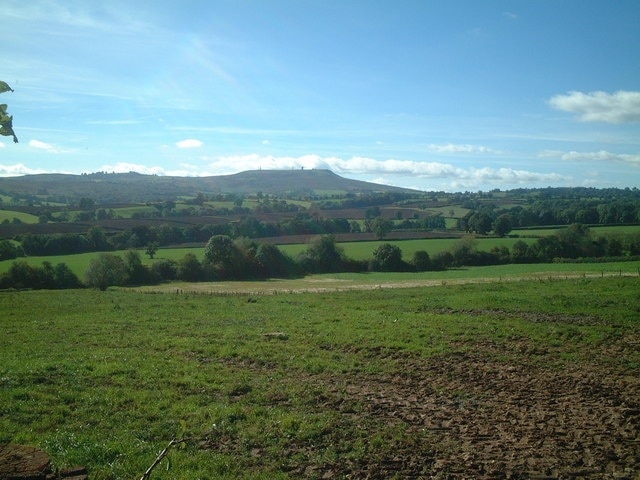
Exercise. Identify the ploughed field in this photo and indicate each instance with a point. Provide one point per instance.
(520, 379)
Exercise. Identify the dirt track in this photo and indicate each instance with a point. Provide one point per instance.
(323, 285)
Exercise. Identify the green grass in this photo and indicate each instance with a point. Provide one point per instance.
(364, 250)
(23, 217)
(78, 263)
(458, 211)
(107, 379)
(331, 282)
(595, 230)
(129, 212)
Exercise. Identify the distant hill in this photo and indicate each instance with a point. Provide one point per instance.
(107, 188)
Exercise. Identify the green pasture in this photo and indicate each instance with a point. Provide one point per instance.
(129, 212)
(9, 215)
(301, 203)
(364, 250)
(259, 387)
(449, 211)
(357, 250)
(331, 282)
(246, 203)
(78, 263)
(595, 230)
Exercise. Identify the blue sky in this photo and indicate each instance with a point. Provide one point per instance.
(435, 95)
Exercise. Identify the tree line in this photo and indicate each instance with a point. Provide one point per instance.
(95, 239)
(226, 258)
(557, 211)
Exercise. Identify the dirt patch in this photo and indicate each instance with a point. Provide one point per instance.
(487, 419)
(24, 462)
(535, 317)
(470, 415)
(329, 285)
(490, 420)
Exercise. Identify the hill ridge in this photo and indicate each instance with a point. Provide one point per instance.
(108, 188)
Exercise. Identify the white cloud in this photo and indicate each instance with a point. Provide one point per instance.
(124, 167)
(189, 143)
(410, 174)
(457, 148)
(618, 107)
(17, 170)
(47, 147)
(383, 168)
(113, 122)
(601, 156)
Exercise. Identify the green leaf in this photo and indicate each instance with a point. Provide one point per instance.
(6, 128)
(4, 87)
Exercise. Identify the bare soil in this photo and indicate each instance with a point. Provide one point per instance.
(475, 414)
(487, 419)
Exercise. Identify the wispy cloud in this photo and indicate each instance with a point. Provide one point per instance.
(124, 167)
(457, 148)
(370, 166)
(189, 143)
(113, 122)
(47, 147)
(411, 174)
(599, 156)
(619, 107)
(18, 169)
(60, 15)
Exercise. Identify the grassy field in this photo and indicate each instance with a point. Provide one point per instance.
(364, 250)
(358, 250)
(23, 217)
(330, 282)
(595, 230)
(396, 383)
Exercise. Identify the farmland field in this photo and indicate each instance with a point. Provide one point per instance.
(9, 215)
(364, 250)
(596, 230)
(520, 379)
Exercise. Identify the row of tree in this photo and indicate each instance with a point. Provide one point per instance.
(242, 258)
(21, 275)
(139, 236)
(481, 219)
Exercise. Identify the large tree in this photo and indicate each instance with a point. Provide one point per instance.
(381, 226)
(221, 253)
(106, 270)
(323, 255)
(502, 225)
(388, 258)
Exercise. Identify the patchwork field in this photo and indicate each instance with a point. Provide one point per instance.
(495, 379)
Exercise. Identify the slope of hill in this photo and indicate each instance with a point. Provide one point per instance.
(108, 188)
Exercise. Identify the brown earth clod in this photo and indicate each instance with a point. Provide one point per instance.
(23, 462)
